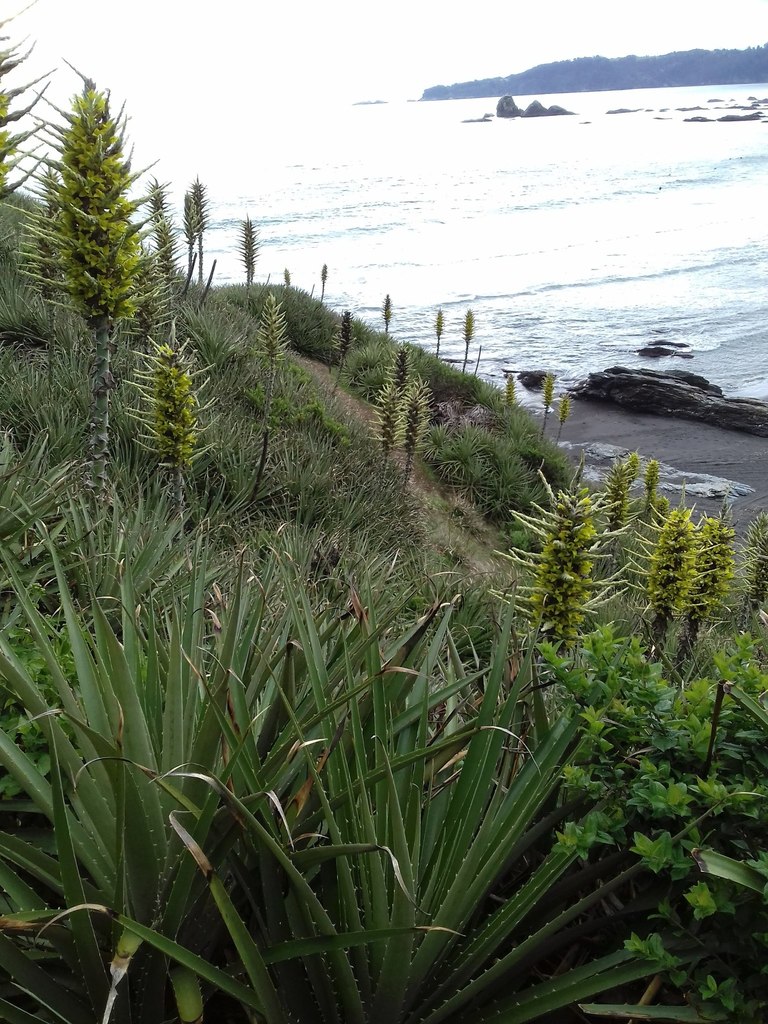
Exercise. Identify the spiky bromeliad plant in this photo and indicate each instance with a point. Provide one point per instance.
(273, 339)
(343, 341)
(469, 333)
(10, 155)
(557, 588)
(548, 399)
(249, 248)
(510, 392)
(171, 420)
(386, 312)
(671, 570)
(439, 327)
(563, 412)
(389, 417)
(190, 230)
(714, 570)
(755, 563)
(249, 800)
(97, 240)
(415, 415)
(199, 197)
(166, 244)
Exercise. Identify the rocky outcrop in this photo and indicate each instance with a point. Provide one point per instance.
(674, 393)
(506, 107)
(532, 379)
(598, 459)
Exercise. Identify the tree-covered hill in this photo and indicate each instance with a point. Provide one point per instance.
(597, 74)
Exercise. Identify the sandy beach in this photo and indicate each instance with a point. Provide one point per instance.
(690, 447)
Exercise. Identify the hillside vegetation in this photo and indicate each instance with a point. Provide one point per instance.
(599, 74)
(327, 691)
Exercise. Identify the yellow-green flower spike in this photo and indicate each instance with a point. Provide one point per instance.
(415, 417)
(386, 312)
(249, 248)
(469, 333)
(564, 573)
(672, 569)
(756, 561)
(651, 481)
(510, 394)
(11, 144)
(439, 327)
(714, 565)
(95, 234)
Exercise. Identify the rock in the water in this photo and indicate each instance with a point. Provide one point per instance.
(537, 109)
(674, 393)
(506, 107)
(756, 116)
(532, 379)
(655, 351)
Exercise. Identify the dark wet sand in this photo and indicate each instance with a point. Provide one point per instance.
(684, 444)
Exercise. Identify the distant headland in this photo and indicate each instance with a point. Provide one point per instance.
(599, 74)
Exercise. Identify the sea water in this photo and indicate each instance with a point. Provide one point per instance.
(575, 240)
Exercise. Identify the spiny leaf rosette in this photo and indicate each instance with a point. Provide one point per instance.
(557, 589)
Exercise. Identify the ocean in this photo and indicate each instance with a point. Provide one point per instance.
(575, 240)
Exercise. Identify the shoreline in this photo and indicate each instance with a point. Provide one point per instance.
(690, 447)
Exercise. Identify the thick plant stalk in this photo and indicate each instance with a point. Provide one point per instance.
(323, 280)
(103, 383)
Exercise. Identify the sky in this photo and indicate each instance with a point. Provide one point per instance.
(193, 73)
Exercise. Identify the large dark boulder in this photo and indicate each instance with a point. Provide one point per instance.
(674, 393)
(506, 107)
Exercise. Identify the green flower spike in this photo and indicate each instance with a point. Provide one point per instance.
(672, 570)
(469, 333)
(556, 588)
(249, 249)
(386, 312)
(97, 239)
(439, 326)
(415, 416)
